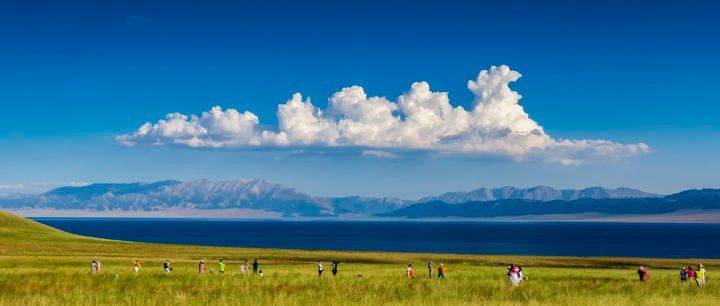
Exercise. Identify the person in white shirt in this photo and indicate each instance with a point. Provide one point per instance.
(319, 268)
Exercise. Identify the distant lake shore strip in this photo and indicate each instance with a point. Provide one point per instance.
(682, 216)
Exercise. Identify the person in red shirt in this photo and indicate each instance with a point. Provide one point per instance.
(690, 274)
(441, 271)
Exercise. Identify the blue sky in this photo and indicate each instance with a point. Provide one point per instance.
(75, 75)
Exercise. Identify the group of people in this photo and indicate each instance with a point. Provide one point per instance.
(137, 266)
(688, 274)
(515, 275)
(244, 268)
(410, 273)
(95, 266)
(333, 268)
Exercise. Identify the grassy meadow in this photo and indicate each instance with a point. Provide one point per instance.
(41, 265)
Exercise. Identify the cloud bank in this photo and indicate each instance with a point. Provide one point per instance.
(420, 119)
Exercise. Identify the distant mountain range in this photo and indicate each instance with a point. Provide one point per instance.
(201, 194)
(263, 196)
(539, 193)
(704, 199)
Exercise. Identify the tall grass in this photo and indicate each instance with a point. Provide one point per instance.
(67, 282)
(43, 266)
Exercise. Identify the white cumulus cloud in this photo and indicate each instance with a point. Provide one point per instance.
(419, 119)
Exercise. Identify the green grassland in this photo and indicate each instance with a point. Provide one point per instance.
(42, 265)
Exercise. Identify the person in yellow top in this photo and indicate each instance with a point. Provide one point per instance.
(221, 267)
(137, 266)
(700, 276)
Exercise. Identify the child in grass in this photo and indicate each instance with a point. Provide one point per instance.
(221, 267)
(137, 266)
(201, 266)
(430, 269)
(320, 268)
(409, 271)
(334, 267)
(441, 271)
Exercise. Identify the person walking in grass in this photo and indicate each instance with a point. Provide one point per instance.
(244, 268)
(137, 266)
(513, 275)
(201, 266)
(256, 266)
(430, 269)
(319, 268)
(334, 268)
(441, 271)
(700, 276)
(409, 271)
(98, 266)
(166, 266)
(521, 274)
(683, 275)
(690, 274)
(643, 273)
(221, 267)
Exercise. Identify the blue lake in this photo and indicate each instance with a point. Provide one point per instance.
(537, 238)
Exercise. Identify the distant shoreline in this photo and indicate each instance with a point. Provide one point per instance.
(682, 216)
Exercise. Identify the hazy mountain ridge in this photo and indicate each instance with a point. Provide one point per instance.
(201, 194)
(702, 199)
(260, 195)
(539, 193)
(367, 205)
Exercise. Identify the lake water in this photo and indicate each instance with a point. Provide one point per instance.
(537, 238)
